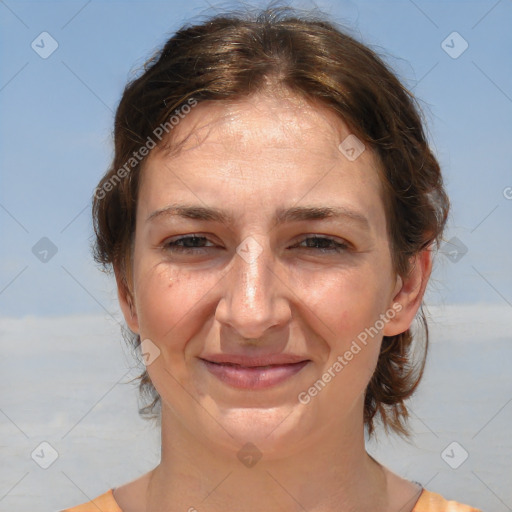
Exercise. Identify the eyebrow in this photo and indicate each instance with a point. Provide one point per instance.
(282, 216)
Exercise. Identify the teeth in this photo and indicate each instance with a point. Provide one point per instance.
(235, 365)
(242, 366)
(259, 367)
(266, 367)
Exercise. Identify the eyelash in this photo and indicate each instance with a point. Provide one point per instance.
(336, 247)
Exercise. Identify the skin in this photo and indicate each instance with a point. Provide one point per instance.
(251, 158)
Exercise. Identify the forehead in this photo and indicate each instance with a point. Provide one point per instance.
(264, 148)
(275, 122)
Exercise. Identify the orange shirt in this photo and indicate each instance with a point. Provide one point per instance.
(427, 502)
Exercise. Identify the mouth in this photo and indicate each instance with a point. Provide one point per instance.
(251, 375)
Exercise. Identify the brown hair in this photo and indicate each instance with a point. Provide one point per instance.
(232, 56)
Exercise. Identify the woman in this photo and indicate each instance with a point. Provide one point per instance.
(270, 216)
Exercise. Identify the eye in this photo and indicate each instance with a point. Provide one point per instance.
(196, 244)
(187, 244)
(323, 244)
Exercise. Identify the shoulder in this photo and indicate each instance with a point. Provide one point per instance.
(432, 502)
(427, 502)
(105, 503)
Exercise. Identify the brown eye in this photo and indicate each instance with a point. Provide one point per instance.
(323, 244)
(191, 244)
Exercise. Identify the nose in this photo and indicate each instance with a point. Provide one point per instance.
(254, 295)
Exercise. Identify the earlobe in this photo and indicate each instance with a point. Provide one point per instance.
(409, 292)
(130, 305)
(127, 304)
(398, 287)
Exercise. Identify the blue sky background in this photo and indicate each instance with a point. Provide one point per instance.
(57, 115)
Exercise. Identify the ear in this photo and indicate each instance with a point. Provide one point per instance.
(127, 303)
(409, 292)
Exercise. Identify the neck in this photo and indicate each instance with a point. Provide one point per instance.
(331, 471)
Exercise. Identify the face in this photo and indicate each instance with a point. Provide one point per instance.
(261, 256)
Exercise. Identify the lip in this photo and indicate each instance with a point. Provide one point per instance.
(254, 373)
(251, 361)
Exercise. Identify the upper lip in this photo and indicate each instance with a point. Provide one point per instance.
(251, 361)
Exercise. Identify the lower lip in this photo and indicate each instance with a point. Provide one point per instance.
(243, 377)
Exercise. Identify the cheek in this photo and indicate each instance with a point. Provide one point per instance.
(350, 304)
(351, 309)
(166, 303)
(347, 302)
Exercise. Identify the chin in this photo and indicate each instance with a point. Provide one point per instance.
(276, 432)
